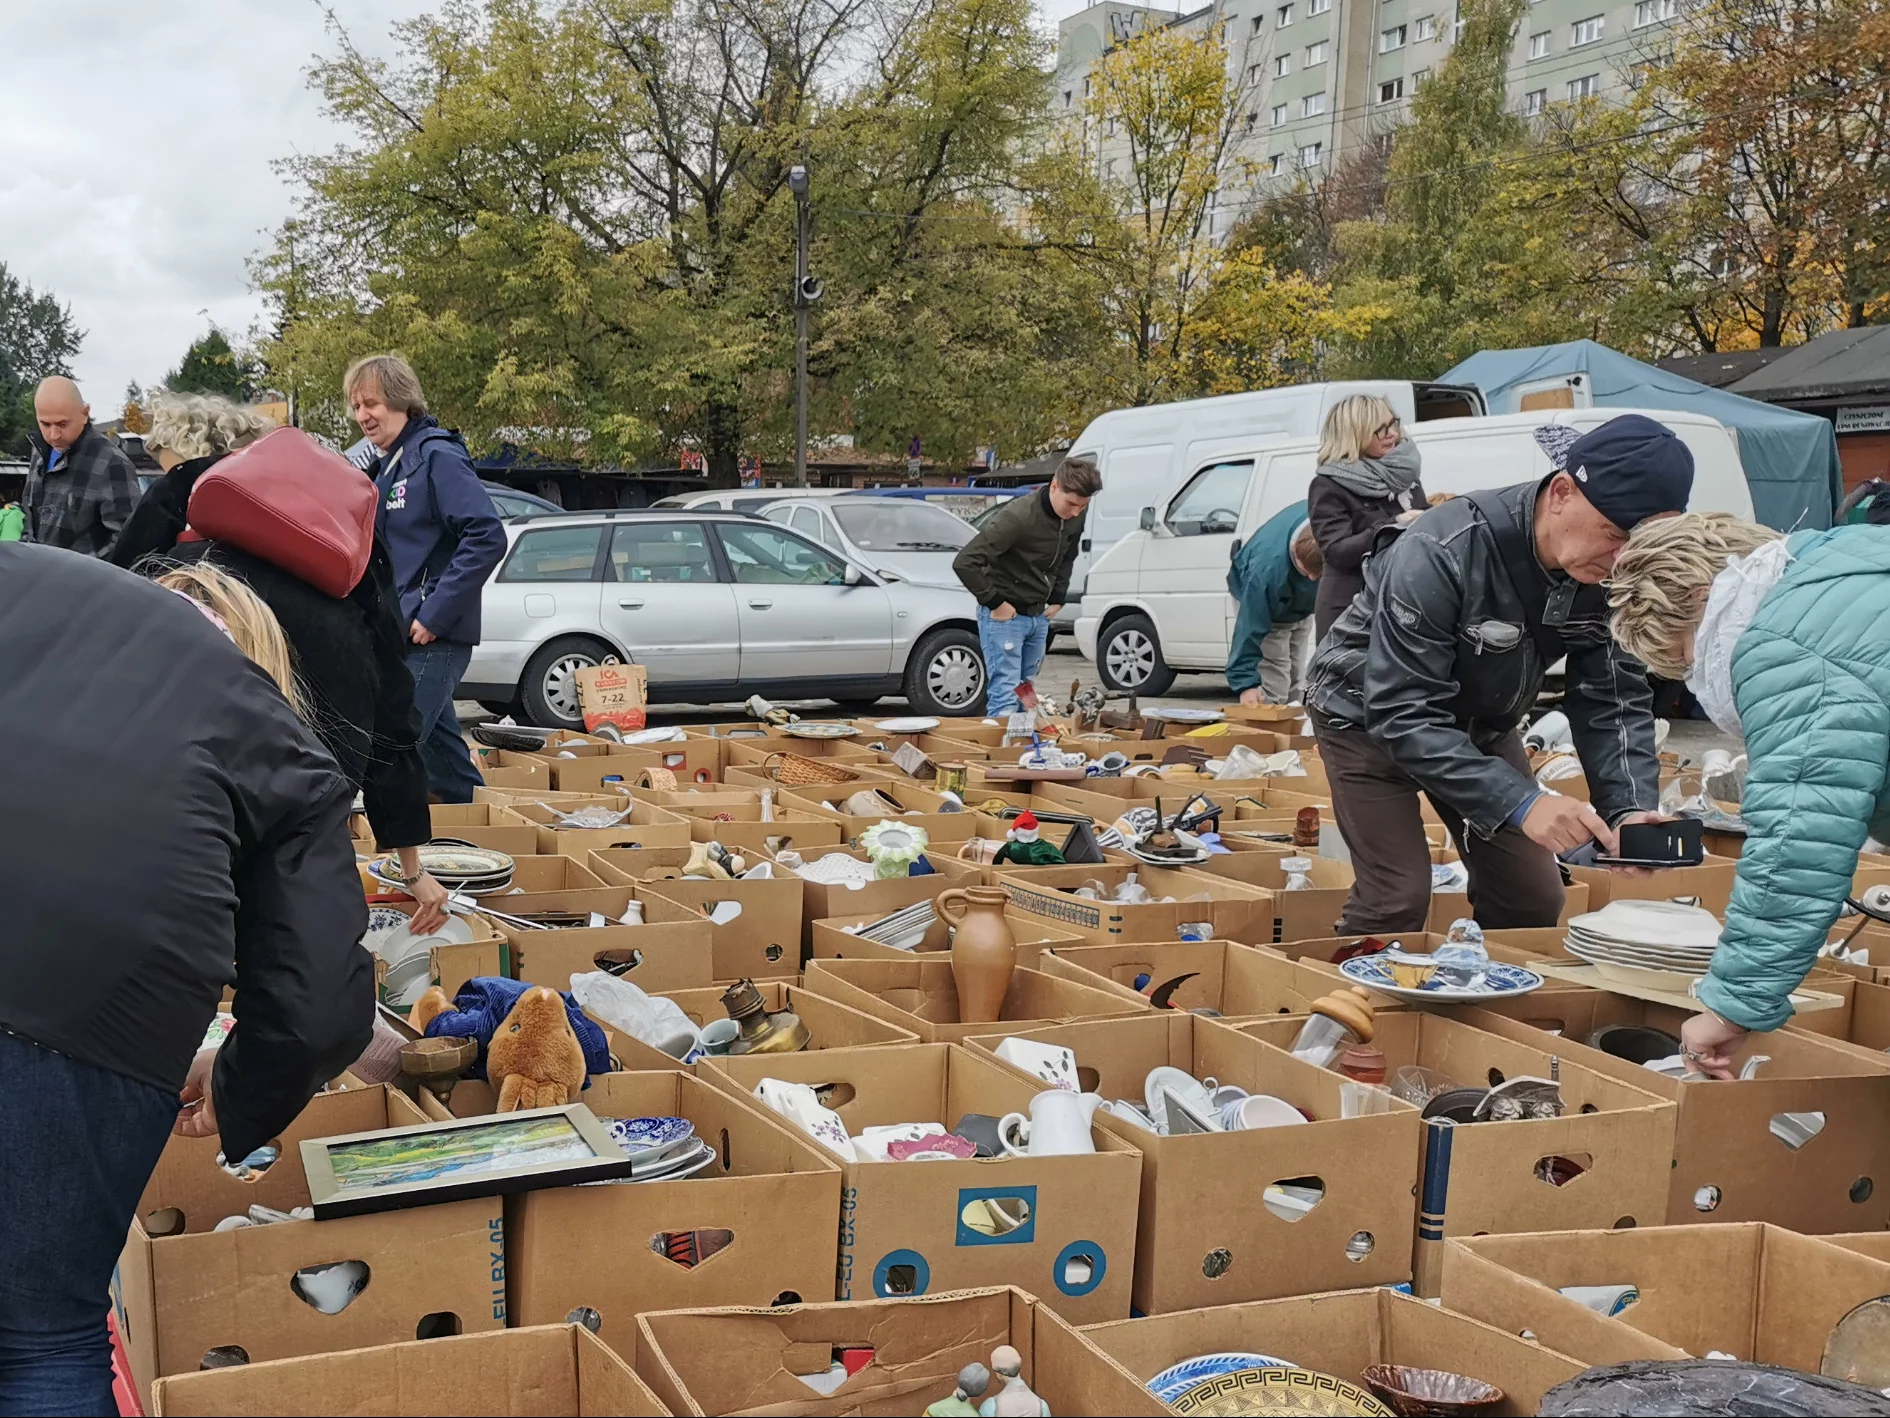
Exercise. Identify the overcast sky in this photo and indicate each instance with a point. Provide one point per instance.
(137, 142)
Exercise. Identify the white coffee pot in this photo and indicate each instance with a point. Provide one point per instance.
(1058, 1125)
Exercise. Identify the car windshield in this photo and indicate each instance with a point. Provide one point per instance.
(894, 524)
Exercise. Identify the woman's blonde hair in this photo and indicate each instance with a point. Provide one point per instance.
(1657, 590)
(252, 626)
(1353, 423)
(203, 425)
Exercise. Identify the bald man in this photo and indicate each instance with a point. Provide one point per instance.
(81, 487)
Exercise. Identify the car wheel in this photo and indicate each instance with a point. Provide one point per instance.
(548, 689)
(1129, 658)
(945, 675)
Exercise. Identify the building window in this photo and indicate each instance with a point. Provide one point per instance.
(1534, 101)
(1066, 98)
(1253, 75)
(1282, 65)
(1252, 119)
(1652, 12)
(1391, 91)
(1316, 53)
(1318, 7)
(1426, 28)
(1285, 15)
(1419, 78)
(1539, 45)
(1275, 163)
(1586, 31)
(1312, 105)
(1391, 39)
(1585, 87)
(1309, 155)
(1279, 114)
(1258, 22)
(1109, 126)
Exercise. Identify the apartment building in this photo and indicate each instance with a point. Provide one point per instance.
(1322, 77)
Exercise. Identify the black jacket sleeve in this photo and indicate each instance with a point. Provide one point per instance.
(1335, 527)
(394, 788)
(1610, 710)
(160, 517)
(304, 986)
(1411, 679)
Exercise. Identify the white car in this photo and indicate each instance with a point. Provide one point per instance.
(739, 499)
(717, 606)
(909, 538)
(1157, 600)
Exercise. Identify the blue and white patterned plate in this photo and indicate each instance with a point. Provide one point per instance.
(1171, 1383)
(638, 1136)
(1501, 981)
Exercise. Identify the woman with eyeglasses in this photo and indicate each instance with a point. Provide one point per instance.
(1367, 478)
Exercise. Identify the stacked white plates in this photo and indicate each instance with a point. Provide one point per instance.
(1660, 945)
(903, 929)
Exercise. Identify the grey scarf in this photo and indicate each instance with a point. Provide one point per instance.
(1391, 476)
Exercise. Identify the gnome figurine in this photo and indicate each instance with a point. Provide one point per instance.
(1024, 845)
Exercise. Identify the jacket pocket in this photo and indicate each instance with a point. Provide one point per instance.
(1496, 667)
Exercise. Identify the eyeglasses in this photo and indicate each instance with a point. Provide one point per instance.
(1385, 430)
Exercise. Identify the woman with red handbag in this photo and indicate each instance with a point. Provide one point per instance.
(350, 653)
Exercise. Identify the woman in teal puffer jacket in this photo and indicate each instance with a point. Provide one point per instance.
(1786, 640)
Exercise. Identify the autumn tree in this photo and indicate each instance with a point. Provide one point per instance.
(1257, 327)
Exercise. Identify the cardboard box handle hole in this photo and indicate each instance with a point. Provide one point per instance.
(441, 1324)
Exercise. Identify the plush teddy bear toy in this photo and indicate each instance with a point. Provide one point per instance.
(533, 1056)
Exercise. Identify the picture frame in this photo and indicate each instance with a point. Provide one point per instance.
(495, 1154)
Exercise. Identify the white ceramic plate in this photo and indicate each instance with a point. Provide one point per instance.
(906, 726)
(819, 731)
(1182, 1084)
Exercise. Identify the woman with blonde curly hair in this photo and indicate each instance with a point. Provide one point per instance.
(348, 653)
(1782, 639)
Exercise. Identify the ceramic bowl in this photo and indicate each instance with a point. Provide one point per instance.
(1263, 1110)
(1414, 1392)
(1177, 1379)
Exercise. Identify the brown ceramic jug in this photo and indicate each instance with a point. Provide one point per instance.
(984, 952)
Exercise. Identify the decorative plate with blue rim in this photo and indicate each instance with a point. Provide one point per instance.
(1171, 1383)
(1500, 981)
(637, 1136)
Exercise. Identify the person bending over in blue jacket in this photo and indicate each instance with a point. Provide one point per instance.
(1780, 638)
(1274, 576)
(444, 539)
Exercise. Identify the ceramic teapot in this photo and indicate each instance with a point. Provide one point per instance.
(1058, 1125)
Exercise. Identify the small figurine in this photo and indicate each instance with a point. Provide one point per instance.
(1024, 844)
(973, 1380)
(1015, 1399)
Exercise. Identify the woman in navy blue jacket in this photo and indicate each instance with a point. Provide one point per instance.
(444, 538)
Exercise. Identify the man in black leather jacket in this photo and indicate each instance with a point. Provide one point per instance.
(1422, 682)
(169, 827)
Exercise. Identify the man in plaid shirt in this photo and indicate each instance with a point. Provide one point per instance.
(81, 487)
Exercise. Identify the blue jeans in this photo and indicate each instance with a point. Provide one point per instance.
(80, 1143)
(1013, 653)
(437, 670)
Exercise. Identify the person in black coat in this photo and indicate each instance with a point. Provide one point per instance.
(350, 654)
(1367, 479)
(169, 827)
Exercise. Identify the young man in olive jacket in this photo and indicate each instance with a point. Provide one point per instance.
(218, 854)
(1018, 567)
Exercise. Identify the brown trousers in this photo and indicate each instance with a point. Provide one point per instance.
(1514, 883)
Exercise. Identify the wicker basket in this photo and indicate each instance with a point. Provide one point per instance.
(793, 770)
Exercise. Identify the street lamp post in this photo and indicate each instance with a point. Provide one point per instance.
(806, 291)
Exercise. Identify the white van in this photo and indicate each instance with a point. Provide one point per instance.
(1146, 453)
(1157, 601)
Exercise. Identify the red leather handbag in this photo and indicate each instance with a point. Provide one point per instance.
(296, 504)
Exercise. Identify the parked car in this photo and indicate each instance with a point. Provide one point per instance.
(741, 499)
(971, 503)
(1157, 601)
(1146, 453)
(910, 539)
(717, 606)
(510, 502)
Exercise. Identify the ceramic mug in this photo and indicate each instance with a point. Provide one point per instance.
(718, 1034)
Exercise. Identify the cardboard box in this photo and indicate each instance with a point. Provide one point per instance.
(904, 1228)
(645, 827)
(753, 836)
(1759, 1293)
(543, 1372)
(1232, 911)
(1729, 1165)
(917, 807)
(501, 769)
(674, 954)
(602, 767)
(920, 995)
(183, 1288)
(1340, 1334)
(483, 825)
(832, 941)
(732, 1361)
(761, 939)
(1238, 981)
(1203, 1235)
(881, 898)
(1500, 1176)
(601, 1248)
(830, 1025)
(1711, 882)
(536, 875)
